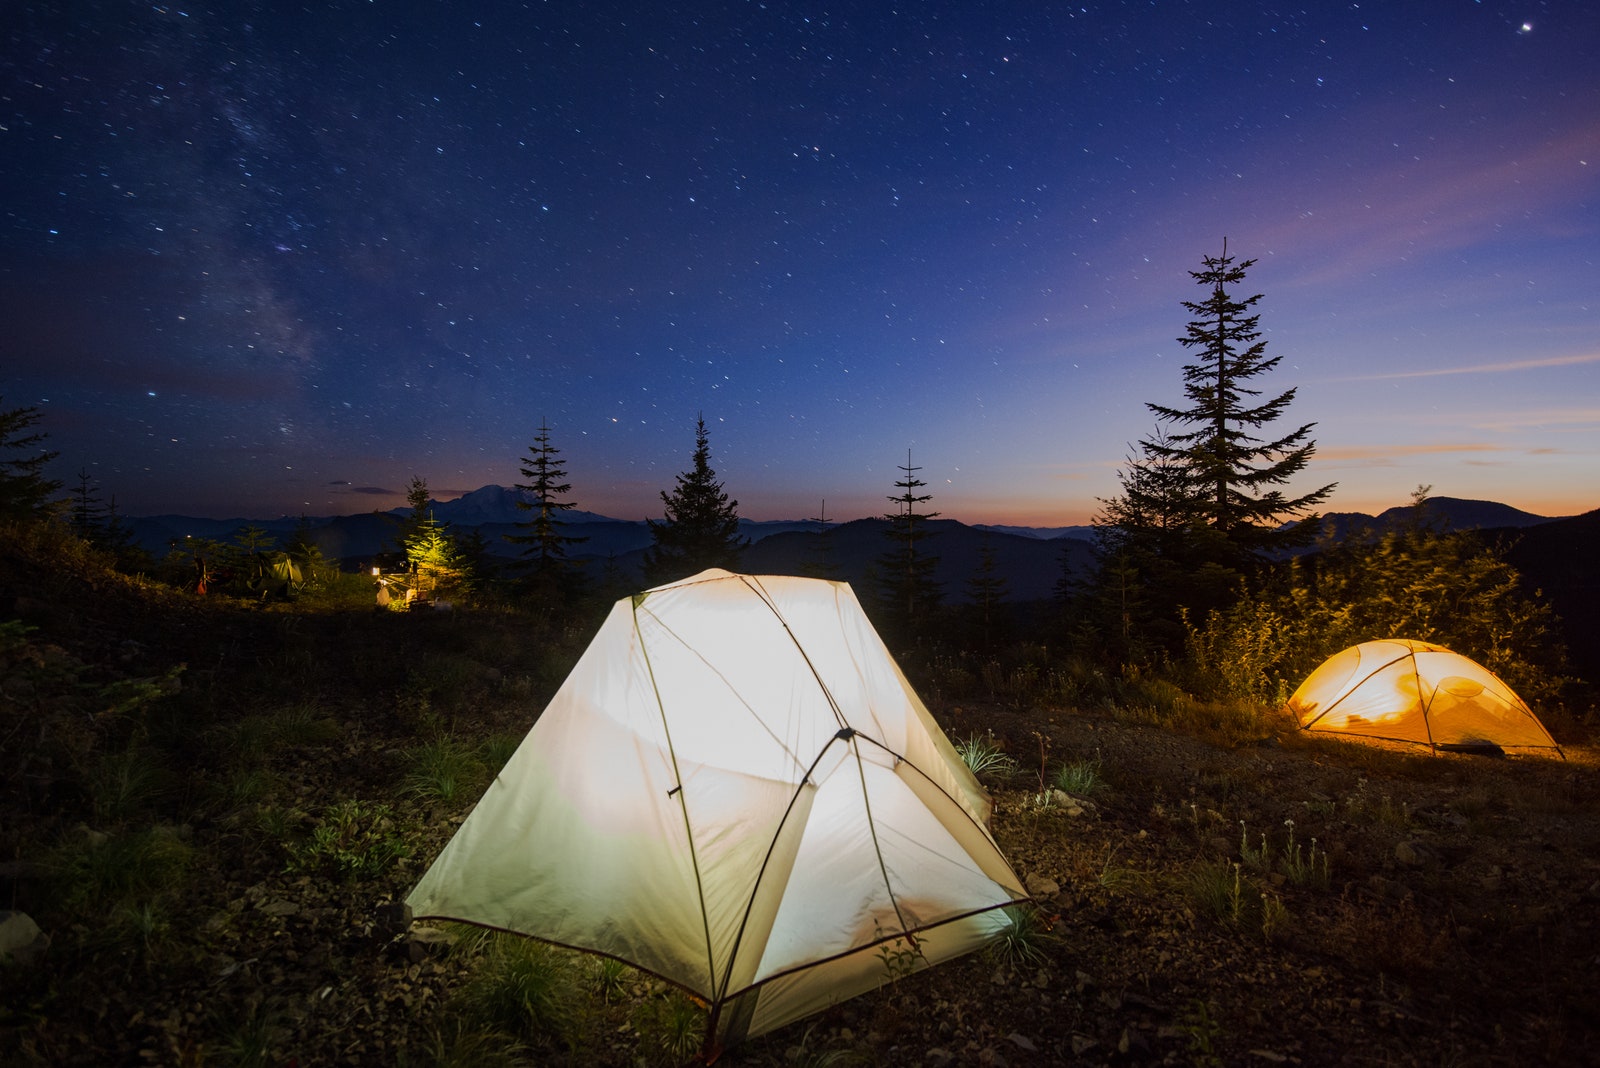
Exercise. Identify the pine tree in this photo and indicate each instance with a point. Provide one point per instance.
(987, 591)
(1155, 555)
(421, 504)
(818, 561)
(25, 492)
(701, 525)
(1232, 475)
(88, 515)
(97, 523)
(910, 593)
(545, 555)
(437, 563)
(303, 549)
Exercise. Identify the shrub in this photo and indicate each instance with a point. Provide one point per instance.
(354, 840)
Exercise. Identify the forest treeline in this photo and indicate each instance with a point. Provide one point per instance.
(1210, 571)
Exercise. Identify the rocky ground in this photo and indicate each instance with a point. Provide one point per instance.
(213, 857)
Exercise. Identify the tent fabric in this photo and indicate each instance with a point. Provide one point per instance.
(737, 790)
(1401, 690)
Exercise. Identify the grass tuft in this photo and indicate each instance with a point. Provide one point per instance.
(1025, 940)
(983, 756)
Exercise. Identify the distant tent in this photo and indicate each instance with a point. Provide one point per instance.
(737, 790)
(1410, 691)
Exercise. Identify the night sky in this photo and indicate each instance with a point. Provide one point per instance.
(270, 258)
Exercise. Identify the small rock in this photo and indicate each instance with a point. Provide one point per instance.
(20, 938)
(1133, 1043)
(1022, 1042)
(392, 918)
(424, 941)
(280, 908)
(1410, 854)
(1041, 885)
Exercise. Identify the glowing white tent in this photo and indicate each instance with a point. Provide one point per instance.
(1410, 691)
(737, 790)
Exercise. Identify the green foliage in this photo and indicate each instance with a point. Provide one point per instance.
(1448, 588)
(611, 978)
(438, 566)
(1025, 940)
(25, 492)
(458, 1043)
(1310, 868)
(1080, 778)
(99, 871)
(123, 783)
(984, 757)
(1219, 890)
(354, 840)
(1204, 1034)
(443, 771)
(900, 956)
(671, 1027)
(1241, 651)
(496, 749)
(524, 988)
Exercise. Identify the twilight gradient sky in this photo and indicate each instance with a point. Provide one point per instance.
(262, 258)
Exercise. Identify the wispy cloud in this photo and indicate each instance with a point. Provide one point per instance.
(1383, 454)
(1502, 367)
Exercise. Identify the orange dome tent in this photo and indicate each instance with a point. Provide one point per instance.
(1410, 691)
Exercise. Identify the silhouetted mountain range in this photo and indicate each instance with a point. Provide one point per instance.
(1029, 559)
(1555, 556)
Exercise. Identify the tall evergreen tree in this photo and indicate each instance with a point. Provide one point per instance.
(910, 593)
(303, 549)
(545, 543)
(1155, 555)
(25, 492)
(88, 511)
(1231, 474)
(818, 561)
(701, 525)
(437, 563)
(420, 502)
(987, 591)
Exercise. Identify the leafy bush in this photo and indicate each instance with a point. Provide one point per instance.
(1449, 588)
